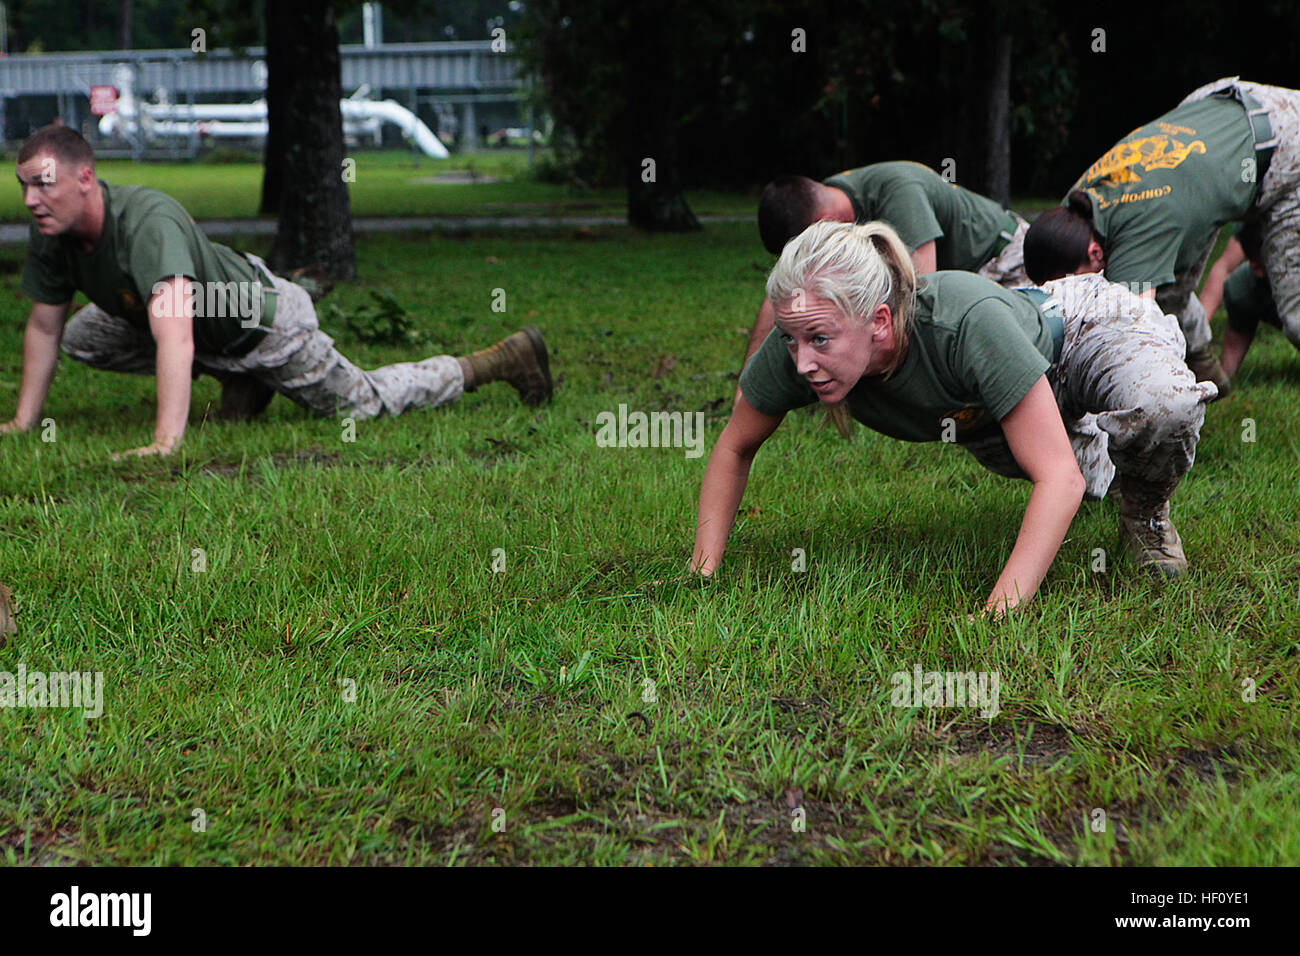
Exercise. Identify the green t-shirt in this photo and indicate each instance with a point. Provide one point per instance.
(1249, 300)
(1161, 192)
(921, 206)
(975, 351)
(147, 238)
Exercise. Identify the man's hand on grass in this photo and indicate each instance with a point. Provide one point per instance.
(699, 568)
(994, 610)
(158, 446)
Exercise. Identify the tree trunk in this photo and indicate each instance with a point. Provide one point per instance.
(969, 150)
(651, 152)
(997, 163)
(303, 74)
(124, 23)
(278, 89)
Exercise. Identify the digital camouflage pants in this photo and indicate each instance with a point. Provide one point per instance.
(1129, 402)
(1007, 268)
(296, 359)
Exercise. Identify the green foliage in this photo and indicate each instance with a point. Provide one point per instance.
(553, 171)
(421, 21)
(382, 321)
(890, 79)
(52, 25)
(581, 83)
(389, 183)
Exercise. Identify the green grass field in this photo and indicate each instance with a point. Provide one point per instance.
(388, 183)
(349, 682)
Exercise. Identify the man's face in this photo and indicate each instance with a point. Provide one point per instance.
(55, 193)
(830, 351)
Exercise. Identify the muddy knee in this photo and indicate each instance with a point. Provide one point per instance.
(1180, 413)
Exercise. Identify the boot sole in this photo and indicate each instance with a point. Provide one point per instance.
(1161, 572)
(544, 363)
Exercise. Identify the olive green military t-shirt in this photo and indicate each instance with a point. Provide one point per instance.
(148, 238)
(1161, 192)
(1249, 300)
(975, 351)
(921, 206)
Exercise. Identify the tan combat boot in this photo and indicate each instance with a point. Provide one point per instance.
(1205, 366)
(1152, 540)
(519, 359)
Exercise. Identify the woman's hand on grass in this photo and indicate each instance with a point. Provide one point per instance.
(724, 482)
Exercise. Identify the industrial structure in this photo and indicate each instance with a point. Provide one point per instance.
(459, 86)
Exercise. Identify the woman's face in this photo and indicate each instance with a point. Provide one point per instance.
(831, 351)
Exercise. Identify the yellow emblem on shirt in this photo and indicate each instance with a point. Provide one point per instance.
(1119, 166)
(967, 416)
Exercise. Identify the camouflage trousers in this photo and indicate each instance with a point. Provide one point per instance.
(1129, 402)
(296, 359)
(1278, 209)
(1007, 268)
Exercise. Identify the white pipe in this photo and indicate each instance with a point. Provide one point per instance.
(399, 115)
(234, 128)
(234, 111)
(217, 128)
(249, 119)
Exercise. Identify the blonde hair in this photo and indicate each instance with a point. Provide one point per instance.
(857, 268)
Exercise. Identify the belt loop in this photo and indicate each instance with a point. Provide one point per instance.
(264, 272)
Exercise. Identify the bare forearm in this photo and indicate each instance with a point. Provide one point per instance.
(175, 360)
(1235, 346)
(1051, 508)
(723, 487)
(40, 355)
(1212, 292)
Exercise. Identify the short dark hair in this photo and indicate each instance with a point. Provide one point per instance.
(1057, 243)
(61, 142)
(788, 206)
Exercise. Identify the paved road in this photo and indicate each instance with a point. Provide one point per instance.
(15, 233)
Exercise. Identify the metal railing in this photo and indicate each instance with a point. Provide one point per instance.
(468, 67)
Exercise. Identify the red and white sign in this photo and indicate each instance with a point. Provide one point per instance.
(103, 100)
